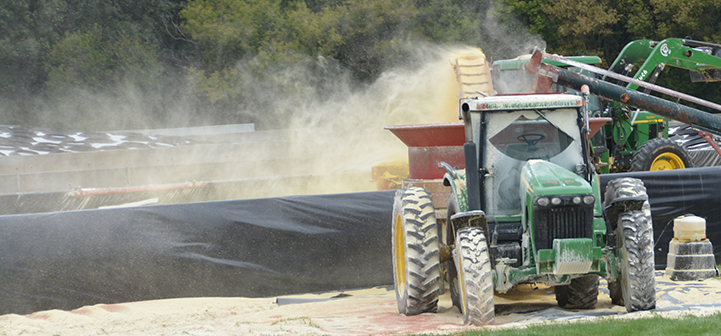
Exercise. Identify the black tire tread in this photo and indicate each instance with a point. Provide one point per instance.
(638, 281)
(628, 188)
(649, 151)
(623, 187)
(581, 293)
(473, 259)
(422, 262)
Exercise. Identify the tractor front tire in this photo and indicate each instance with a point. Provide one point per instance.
(450, 265)
(416, 252)
(660, 154)
(581, 293)
(475, 278)
(637, 283)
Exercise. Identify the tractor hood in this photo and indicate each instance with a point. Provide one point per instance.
(543, 178)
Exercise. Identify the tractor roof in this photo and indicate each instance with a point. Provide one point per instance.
(524, 102)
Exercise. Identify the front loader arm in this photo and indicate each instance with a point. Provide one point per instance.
(703, 120)
(674, 52)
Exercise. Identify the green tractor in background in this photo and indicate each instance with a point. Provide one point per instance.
(527, 209)
(636, 140)
(643, 141)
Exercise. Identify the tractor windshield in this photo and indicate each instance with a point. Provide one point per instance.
(518, 136)
(526, 139)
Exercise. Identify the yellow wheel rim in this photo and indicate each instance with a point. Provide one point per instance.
(400, 254)
(667, 161)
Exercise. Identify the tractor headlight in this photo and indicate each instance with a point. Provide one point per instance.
(555, 201)
(542, 201)
(577, 200)
(589, 199)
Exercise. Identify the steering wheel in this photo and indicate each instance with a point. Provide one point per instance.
(531, 139)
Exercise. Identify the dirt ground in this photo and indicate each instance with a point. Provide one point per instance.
(360, 312)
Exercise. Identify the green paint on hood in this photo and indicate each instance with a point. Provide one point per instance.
(546, 178)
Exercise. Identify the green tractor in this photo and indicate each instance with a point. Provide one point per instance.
(526, 209)
(643, 141)
(634, 139)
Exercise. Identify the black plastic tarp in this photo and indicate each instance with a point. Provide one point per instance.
(674, 193)
(250, 248)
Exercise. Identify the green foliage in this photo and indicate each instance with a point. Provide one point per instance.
(686, 18)
(372, 29)
(27, 35)
(308, 32)
(360, 34)
(226, 56)
(603, 27)
(93, 61)
(580, 24)
(449, 21)
(42, 38)
(226, 30)
(215, 87)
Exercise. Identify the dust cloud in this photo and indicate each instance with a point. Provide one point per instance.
(507, 37)
(343, 133)
(316, 130)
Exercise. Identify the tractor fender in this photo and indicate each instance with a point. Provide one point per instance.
(622, 194)
(457, 181)
(474, 218)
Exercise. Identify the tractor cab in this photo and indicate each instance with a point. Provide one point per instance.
(510, 77)
(512, 130)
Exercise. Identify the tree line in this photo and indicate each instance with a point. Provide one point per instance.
(72, 63)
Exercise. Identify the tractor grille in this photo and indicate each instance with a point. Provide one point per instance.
(561, 222)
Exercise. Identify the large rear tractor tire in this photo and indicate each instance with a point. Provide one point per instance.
(581, 293)
(660, 154)
(416, 252)
(474, 276)
(637, 284)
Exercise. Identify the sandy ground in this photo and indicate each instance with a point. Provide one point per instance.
(361, 312)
